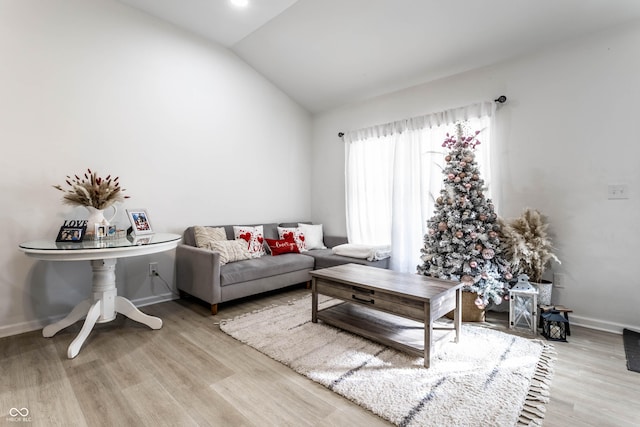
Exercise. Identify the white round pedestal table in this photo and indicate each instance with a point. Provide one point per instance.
(104, 303)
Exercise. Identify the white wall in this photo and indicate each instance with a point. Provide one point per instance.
(196, 136)
(566, 132)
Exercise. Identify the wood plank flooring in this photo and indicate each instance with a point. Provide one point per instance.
(189, 373)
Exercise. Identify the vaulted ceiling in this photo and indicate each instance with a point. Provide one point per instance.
(326, 53)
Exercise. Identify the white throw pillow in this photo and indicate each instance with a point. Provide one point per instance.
(253, 236)
(287, 233)
(206, 235)
(231, 250)
(314, 237)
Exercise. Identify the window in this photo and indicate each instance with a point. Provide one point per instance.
(393, 172)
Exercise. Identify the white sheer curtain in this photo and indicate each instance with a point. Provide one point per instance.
(393, 172)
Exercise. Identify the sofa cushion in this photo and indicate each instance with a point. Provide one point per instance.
(295, 234)
(279, 247)
(204, 236)
(313, 235)
(258, 268)
(253, 236)
(230, 250)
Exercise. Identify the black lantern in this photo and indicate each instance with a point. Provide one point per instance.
(554, 326)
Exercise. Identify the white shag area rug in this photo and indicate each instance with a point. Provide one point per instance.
(490, 378)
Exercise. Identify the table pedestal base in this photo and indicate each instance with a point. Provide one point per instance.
(101, 308)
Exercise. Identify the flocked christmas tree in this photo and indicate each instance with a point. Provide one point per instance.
(463, 238)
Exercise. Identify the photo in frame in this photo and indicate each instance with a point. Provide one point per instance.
(140, 223)
(71, 234)
(103, 231)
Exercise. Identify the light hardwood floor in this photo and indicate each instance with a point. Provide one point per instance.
(190, 373)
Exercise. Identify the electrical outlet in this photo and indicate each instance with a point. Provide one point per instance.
(617, 191)
(559, 280)
(153, 269)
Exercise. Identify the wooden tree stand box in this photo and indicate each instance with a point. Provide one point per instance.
(470, 311)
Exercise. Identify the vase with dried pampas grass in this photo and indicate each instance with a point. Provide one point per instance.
(93, 192)
(529, 248)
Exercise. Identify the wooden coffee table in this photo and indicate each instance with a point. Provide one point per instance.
(394, 309)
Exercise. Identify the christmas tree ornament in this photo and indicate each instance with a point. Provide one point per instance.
(447, 159)
(479, 303)
(488, 253)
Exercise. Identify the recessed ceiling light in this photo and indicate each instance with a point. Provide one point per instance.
(240, 3)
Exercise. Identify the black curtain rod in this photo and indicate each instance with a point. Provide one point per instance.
(500, 100)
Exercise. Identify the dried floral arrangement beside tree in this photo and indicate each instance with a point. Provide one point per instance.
(529, 249)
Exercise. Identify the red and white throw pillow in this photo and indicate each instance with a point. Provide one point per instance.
(293, 234)
(279, 247)
(253, 236)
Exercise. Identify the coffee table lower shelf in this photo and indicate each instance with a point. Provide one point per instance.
(387, 329)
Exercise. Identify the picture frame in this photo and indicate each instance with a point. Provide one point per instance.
(140, 223)
(100, 231)
(71, 234)
(104, 231)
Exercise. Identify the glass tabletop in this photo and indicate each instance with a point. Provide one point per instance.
(129, 241)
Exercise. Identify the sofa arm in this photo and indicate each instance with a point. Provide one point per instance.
(331, 241)
(198, 272)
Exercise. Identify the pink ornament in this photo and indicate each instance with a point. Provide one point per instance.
(508, 276)
(488, 253)
(459, 234)
(451, 176)
(473, 264)
(463, 164)
(473, 235)
(456, 179)
(478, 302)
(467, 186)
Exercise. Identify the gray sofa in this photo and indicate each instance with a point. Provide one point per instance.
(199, 274)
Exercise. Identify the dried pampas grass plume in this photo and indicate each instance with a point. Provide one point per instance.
(527, 244)
(92, 190)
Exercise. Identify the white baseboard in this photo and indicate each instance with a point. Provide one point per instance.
(600, 325)
(34, 325)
